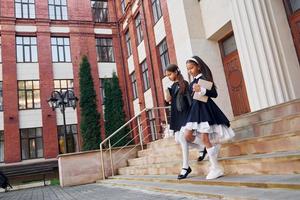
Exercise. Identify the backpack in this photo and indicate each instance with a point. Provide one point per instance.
(4, 183)
(183, 101)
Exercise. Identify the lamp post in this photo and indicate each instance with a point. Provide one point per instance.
(61, 99)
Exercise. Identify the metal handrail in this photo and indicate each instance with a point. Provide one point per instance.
(119, 129)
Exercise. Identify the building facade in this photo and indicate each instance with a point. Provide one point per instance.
(252, 48)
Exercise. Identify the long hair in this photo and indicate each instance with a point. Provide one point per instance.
(175, 69)
(204, 69)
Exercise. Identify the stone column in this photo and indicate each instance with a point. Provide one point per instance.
(267, 54)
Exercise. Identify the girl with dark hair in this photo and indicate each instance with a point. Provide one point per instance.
(180, 99)
(206, 118)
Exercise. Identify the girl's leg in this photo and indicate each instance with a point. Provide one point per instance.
(215, 170)
(195, 142)
(185, 157)
(185, 151)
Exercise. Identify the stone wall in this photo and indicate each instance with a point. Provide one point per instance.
(85, 167)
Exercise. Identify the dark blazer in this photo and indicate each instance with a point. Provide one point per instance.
(180, 105)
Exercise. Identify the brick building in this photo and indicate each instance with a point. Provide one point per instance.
(253, 58)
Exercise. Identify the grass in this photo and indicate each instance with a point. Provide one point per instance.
(54, 181)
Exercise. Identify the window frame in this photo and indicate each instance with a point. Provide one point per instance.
(123, 6)
(1, 96)
(57, 48)
(31, 46)
(0, 49)
(152, 125)
(156, 10)
(26, 91)
(134, 85)
(145, 75)
(100, 14)
(63, 89)
(22, 7)
(128, 43)
(2, 144)
(70, 132)
(62, 7)
(106, 48)
(28, 138)
(139, 29)
(164, 54)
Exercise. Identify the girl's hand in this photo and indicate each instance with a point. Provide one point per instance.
(196, 87)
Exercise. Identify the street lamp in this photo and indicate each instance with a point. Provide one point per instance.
(61, 99)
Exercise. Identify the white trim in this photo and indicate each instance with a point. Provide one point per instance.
(59, 29)
(30, 29)
(103, 31)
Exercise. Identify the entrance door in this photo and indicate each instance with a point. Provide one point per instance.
(293, 12)
(234, 76)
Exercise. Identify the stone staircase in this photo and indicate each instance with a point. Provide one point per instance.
(266, 150)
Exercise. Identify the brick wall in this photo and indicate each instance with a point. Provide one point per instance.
(82, 39)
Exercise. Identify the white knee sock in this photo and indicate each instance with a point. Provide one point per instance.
(185, 153)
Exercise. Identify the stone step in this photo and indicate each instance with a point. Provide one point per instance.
(274, 112)
(291, 182)
(271, 163)
(171, 151)
(269, 127)
(284, 125)
(144, 152)
(205, 191)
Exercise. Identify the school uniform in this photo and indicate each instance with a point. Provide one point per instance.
(179, 106)
(206, 117)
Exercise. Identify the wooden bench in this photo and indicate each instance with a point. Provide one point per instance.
(19, 171)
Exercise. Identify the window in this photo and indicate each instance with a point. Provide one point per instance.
(71, 138)
(139, 31)
(100, 10)
(228, 45)
(60, 49)
(134, 85)
(105, 52)
(32, 143)
(0, 51)
(64, 85)
(123, 5)
(1, 96)
(102, 90)
(295, 5)
(29, 94)
(145, 73)
(128, 43)
(164, 55)
(1, 146)
(26, 49)
(152, 124)
(156, 10)
(25, 9)
(58, 9)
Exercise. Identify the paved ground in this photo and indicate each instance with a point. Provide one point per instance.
(85, 192)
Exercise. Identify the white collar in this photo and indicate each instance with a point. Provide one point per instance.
(198, 76)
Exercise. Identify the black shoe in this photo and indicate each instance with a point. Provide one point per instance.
(204, 152)
(183, 176)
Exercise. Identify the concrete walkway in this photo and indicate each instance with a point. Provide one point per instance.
(87, 192)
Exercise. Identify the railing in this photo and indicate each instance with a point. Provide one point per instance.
(153, 123)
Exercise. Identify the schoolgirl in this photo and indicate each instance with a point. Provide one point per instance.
(205, 118)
